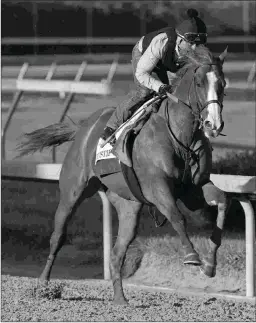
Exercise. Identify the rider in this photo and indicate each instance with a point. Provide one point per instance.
(152, 56)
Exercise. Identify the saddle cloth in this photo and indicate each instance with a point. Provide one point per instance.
(106, 151)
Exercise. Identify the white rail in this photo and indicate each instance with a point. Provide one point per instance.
(9, 73)
(33, 85)
(228, 183)
(21, 85)
(99, 68)
(67, 69)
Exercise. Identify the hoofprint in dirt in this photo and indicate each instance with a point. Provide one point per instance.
(91, 301)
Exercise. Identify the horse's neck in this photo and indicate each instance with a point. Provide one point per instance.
(180, 121)
(183, 115)
(184, 85)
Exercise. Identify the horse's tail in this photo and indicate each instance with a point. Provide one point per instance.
(53, 135)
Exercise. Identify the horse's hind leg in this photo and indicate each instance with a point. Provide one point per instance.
(58, 236)
(71, 189)
(128, 212)
(214, 196)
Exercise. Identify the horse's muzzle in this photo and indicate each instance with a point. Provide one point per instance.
(211, 131)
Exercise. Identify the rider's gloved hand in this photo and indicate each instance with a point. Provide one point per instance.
(165, 88)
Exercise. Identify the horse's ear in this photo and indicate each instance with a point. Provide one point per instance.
(223, 55)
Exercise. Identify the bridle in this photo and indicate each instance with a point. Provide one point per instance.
(200, 107)
(190, 153)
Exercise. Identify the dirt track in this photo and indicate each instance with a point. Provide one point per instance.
(91, 301)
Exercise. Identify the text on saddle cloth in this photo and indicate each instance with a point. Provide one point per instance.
(106, 151)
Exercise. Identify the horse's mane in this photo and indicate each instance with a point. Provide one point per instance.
(199, 56)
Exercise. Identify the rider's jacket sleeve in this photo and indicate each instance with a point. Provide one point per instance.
(149, 60)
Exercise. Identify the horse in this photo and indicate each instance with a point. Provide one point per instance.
(171, 157)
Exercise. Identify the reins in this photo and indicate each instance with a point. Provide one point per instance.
(190, 153)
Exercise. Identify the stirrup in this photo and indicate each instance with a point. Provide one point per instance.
(108, 136)
(107, 133)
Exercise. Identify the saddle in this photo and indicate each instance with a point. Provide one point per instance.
(114, 163)
(122, 148)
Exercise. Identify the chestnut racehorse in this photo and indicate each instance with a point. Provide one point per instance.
(171, 155)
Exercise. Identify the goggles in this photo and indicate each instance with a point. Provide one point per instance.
(194, 38)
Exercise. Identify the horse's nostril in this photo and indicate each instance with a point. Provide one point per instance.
(208, 124)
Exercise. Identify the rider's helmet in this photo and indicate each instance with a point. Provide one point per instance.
(193, 29)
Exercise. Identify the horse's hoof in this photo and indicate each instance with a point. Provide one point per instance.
(41, 282)
(208, 269)
(121, 301)
(192, 259)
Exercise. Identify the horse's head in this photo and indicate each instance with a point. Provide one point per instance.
(209, 86)
(206, 89)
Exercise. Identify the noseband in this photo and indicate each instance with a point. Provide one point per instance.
(212, 101)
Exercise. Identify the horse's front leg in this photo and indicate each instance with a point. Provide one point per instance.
(214, 196)
(163, 198)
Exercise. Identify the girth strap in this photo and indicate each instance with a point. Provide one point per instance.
(134, 186)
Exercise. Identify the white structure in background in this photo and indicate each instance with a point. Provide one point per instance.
(66, 89)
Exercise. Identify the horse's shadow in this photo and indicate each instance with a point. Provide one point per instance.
(97, 299)
(80, 298)
(143, 306)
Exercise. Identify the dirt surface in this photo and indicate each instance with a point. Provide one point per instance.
(92, 301)
(68, 265)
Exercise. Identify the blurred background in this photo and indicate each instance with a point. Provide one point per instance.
(75, 27)
(41, 33)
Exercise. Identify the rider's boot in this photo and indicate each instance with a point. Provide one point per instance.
(122, 113)
(107, 132)
(115, 121)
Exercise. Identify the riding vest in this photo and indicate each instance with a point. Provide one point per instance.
(167, 62)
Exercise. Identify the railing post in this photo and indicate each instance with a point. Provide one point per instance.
(68, 101)
(252, 73)
(51, 71)
(112, 70)
(107, 233)
(48, 77)
(12, 109)
(250, 244)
